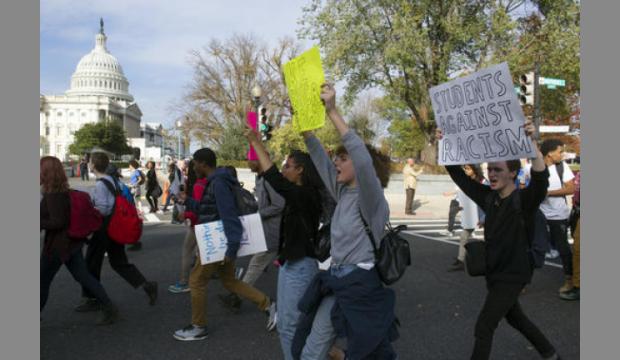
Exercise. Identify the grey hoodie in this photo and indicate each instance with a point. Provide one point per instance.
(349, 242)
(270, 207)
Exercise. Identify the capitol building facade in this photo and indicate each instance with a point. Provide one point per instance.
(99, 91)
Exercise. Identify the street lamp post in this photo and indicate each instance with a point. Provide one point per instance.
(257, 92)
(179, 123)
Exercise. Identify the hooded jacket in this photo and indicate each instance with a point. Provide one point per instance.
(218, 203)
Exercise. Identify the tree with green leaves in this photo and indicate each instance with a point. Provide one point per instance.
(107, 135)
(405, 47)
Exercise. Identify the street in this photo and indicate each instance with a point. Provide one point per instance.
(437, 310)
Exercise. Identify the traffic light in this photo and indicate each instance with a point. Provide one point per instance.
(265, 128)
(527, 88)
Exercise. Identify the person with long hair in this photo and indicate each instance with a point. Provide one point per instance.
(351, 289)
(59, 249)
(188, 253)
(300, 185)
(152, 186)
(470, 216)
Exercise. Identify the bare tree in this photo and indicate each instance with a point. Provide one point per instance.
(221, 91)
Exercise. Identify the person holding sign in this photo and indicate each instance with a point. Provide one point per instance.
(217, 203)
(299, 185)
(356, 178)
(509, 267)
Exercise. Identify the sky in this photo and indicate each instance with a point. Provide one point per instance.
(152, 40)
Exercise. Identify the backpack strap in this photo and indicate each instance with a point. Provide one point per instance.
(371, 237)
(112, 188)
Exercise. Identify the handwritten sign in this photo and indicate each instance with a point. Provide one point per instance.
(304, 76)
(252, 121)
(212, 242)
(481, 118)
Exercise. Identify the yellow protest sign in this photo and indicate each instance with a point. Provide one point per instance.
(303, 76)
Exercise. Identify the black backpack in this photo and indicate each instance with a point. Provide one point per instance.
(245, 201)
(393, 255)
(321, 242)
(535, 229)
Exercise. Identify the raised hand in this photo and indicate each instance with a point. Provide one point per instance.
(328, 97)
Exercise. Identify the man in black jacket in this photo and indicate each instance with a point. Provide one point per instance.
(509, 264)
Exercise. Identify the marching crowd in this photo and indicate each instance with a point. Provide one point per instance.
(346, 312)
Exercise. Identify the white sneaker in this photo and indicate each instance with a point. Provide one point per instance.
(159, 212)
(446, 233)
(191, 333)
(272, 312)
(552, 254)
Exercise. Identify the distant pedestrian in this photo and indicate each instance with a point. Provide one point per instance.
(410, 181)
(175, 179)
(470, 216)
(84, 169)
(153, 190)
(188, 252)
(454, 209)
(60, 249)
(509, 267)
(100, 244)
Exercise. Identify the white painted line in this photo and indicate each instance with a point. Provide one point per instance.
(151, 218)
(418, 221)
(457, 244)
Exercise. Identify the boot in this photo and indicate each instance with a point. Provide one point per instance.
(568, 284)
(88, 305)
(109, 314)
(150, 287)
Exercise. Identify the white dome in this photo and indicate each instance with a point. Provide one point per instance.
(100, 73)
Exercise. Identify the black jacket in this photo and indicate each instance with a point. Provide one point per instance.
(363, 313)
(507, 242)
(300, 218)
(151, 180)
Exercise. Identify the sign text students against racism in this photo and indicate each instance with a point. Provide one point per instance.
(481, 118)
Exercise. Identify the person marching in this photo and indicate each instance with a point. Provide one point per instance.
(153, 190)
(509, 266)
(356, 179)
(100, 243)
(60, 249)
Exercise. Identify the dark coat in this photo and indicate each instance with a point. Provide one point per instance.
(363, 313)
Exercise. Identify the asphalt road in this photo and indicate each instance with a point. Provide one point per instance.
(437, 310)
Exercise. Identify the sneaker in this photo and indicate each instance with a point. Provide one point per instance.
(272, 313)
(109, 314)
(446, 233)
(150, 287)
(458, 266)
(159, 212)
(191, 333)
(178, 288)
(88, 305)
(570, 295)
(230, 301)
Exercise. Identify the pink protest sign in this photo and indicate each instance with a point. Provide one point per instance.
(252, 121)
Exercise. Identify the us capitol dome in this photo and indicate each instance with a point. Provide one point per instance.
(98, 92)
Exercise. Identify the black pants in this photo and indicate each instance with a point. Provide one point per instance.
(558, 234)
(98, 246)
(50, 264)
(409, 202)
(455, 207)
(152, 200)
(503, 301)
(84, 173)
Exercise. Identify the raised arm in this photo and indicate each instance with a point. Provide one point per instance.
(324, 165)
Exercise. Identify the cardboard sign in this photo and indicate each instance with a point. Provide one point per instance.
(481, 119)
(252, 121)
(212, 242)
(304, 76)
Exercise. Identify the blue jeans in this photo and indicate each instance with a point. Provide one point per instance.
(77, 267)
(323, 335)
(293, 280)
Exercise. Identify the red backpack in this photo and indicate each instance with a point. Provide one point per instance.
(125, 225)
(84, 218)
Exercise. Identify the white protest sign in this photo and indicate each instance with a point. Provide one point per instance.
(481, 119)
(212, 241)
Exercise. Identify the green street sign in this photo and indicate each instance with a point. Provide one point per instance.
(551, 82)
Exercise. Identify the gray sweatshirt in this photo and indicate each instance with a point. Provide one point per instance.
(349, 241)
(270, 207)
